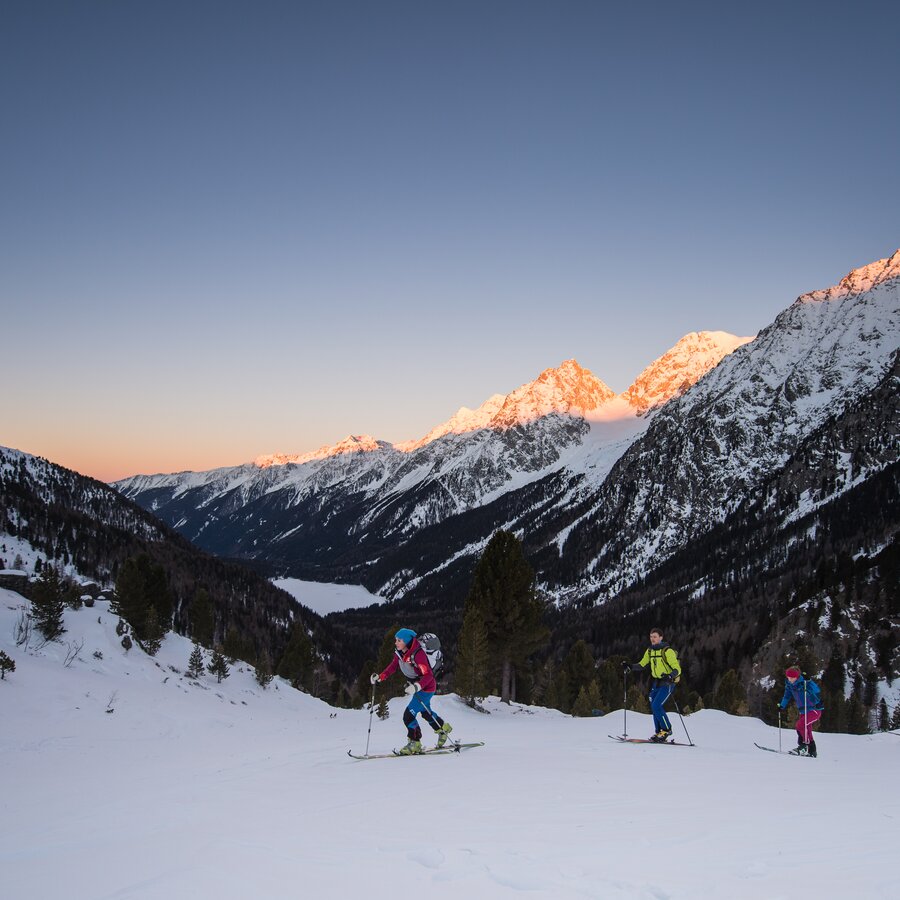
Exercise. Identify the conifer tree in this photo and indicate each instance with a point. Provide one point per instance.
(895, 718)
(47, 605)
(153, 632)
(298, 659)
(587, 701)
(196, 664)
(609, 683)
(730, 695)
(7, 664)
(202, 618)
(472, 658)
(233, 645)
(884, 717)
(579, 669)
(836, 706)
(140, 585)
(857, 715)
(218, 665)
(264, 674)
(637, 700)
(503, 590)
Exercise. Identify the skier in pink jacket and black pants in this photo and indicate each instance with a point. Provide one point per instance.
(412, 661)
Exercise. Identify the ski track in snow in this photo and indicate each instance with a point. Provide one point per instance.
(228, 791)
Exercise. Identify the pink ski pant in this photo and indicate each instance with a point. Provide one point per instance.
(805, 724)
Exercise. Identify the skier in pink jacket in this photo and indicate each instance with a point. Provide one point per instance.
(413, 663)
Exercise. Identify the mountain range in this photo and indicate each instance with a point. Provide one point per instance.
(747, 491)
(744, 489)
(309, 515)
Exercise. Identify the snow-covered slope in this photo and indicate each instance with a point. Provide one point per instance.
(121, 778)
(706, 452)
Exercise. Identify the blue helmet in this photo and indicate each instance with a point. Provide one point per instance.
(406, 635)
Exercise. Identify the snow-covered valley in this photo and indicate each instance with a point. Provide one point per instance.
(123, 779)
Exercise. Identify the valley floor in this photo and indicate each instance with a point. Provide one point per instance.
(229, 791)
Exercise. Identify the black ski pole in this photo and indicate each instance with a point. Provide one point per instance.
(625, 706)
(371, 710)
(779, 729)
(682, 719)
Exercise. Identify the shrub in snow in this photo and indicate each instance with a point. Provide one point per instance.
(7, 664)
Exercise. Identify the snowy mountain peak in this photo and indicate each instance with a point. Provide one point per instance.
(463, 421)
(859, 280)
(681, 367)
(353, 443)
(569, 389)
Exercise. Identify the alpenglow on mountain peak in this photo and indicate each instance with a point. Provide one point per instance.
(681, 367)
(567, 389)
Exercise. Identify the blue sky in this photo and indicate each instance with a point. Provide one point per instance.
(234, 228)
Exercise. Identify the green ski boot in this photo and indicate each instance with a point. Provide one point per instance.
(443, 733)
(411, 748)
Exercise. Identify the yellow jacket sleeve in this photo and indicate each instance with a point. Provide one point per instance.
(672, 660)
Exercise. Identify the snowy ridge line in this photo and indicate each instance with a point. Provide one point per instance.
(766, 402)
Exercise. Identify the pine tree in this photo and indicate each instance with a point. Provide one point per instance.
(140, 585)
(298, 659)
(895, 718)
(202, 619)
(218, 665)
(503, 590)
(264, 674)
(884, 717)
(857, 711)
(730, 696)
(472, 658)
(233, 645)
(579, 669)
(196, 664)
(610, 683)
(48, 606)
(153, 632)
(7, 664)
(587, 701)
(833, 680)
(637, 700)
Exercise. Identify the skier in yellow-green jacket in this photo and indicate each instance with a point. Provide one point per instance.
(666, 671)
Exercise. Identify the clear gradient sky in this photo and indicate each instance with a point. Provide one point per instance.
(236, 228)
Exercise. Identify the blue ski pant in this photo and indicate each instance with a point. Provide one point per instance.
(420, 703)
(658, 697)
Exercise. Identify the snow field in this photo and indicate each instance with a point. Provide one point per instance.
(225, 790)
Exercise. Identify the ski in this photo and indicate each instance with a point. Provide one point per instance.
(770, 749)
(448, 748)
(628, 740)
(782, 752)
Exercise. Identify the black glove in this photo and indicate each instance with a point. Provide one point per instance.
(626, 666)
(779, 707)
